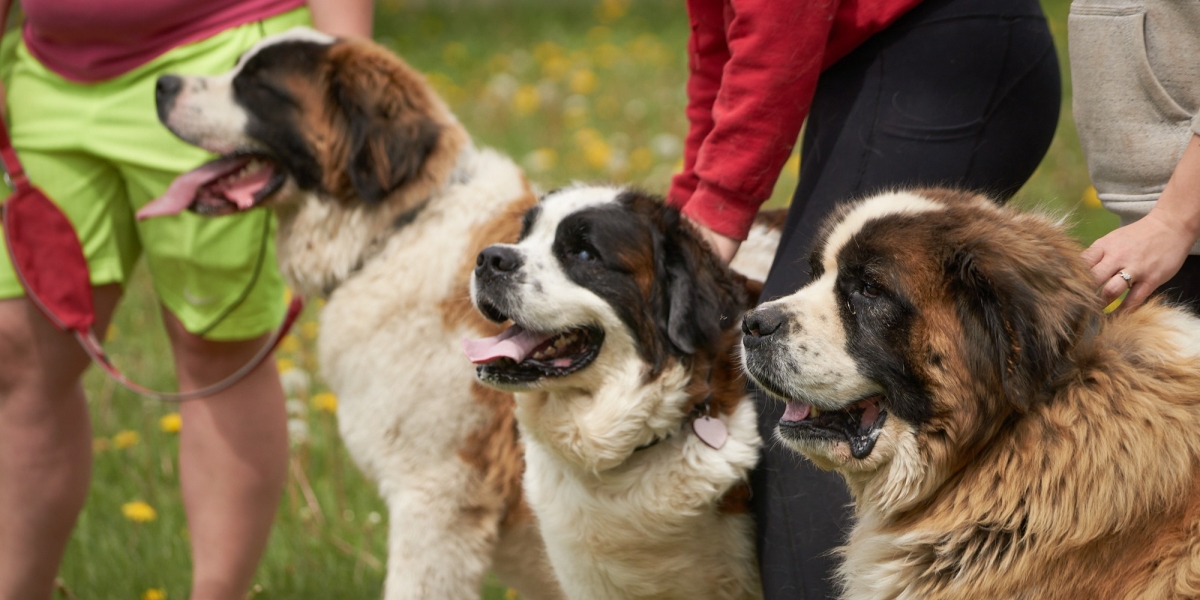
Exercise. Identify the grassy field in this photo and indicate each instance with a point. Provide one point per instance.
(576, 90)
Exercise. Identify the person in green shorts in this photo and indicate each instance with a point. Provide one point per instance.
(80, 100)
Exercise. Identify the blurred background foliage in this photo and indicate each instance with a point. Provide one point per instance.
(588, 90)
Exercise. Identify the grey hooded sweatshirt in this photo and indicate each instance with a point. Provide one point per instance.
(1135, 70)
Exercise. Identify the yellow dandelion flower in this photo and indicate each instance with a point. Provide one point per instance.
(155, 594)
(556, 67)
(100, 444)
(284, 364)
(289, 343)
(1090, 198)
(583, 81)
(287, 295)
(139, 512)
(526, 100)
(608, 11)
(597, 154)
(309, 329)
(111, 333)
(125, 439)
(641, 159)
(325, 402)
(171, 423)
(510, 594)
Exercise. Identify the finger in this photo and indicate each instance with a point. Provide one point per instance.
(1093, 255)
(1113, 288)
(1137, 295)
(1104, 271)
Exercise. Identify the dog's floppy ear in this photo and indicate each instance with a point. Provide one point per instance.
(1023, 311)
(703, 297)
(390, 130)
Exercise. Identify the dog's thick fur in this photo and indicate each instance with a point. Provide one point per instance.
(383, 205)
(383, 208)
(631, 502)
(1029, 446)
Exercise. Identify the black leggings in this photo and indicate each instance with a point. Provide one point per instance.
(961, 93)
(1184, 287)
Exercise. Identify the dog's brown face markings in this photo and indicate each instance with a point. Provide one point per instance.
(935, 321)
(631, 259)
(343, 119)
(1032, 447)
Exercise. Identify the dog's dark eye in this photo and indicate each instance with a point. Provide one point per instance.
(871, 290)
(584, 254)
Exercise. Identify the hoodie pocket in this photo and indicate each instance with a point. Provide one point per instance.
(1133, 133)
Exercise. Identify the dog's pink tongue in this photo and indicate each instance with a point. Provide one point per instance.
(796, 411)
(515, 343)
(183, 190)
(870, 411)
(241, 192)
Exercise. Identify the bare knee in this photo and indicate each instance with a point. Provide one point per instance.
(35, 355)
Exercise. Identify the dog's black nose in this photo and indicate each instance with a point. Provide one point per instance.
(761, 323)
(165, 91)
(497, 260)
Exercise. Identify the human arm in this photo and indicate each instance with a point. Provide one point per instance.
(1152, 249)
(775, 55)
(707, 55)
(343, 18)
(750, 85)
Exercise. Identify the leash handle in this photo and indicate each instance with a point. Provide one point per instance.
(91, 345)
(81, 316)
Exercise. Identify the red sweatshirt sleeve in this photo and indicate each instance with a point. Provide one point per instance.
(772, 56)
(707, 55)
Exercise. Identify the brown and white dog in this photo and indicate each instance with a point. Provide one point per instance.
(1003, 438)
(639, 434)
(383, 205)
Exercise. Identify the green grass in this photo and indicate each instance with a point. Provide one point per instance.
(579, 90)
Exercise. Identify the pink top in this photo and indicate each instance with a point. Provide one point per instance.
(89, 41)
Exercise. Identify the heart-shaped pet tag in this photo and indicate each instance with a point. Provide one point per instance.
(711, 431)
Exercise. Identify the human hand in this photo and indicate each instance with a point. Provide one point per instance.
(1149, 250)
(725, 247)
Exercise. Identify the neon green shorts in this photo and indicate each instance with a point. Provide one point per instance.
(99, 151)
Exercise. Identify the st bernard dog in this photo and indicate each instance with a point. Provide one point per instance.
(383, 205)
(1001, 435)
(639, 434)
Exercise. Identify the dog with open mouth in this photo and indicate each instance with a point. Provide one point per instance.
(383, 204)
(639, 434)
(1001, 435)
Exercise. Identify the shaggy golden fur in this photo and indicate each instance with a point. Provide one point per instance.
(1033, 447)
